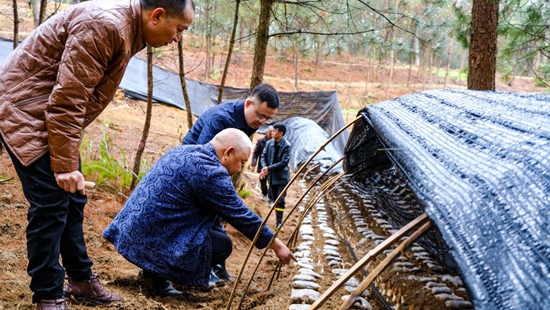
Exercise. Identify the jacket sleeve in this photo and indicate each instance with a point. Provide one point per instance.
(264, 155)
(285, 159)
(83, 64)
(217, 193)
(210, 128)
(257, 153)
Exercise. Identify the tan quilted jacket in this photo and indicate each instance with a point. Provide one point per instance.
(62, 77)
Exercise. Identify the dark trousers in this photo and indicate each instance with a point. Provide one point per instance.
(55, 228)
(280, 207)
(263, 186)
(222, 246)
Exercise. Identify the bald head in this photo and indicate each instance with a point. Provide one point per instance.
(233, 148)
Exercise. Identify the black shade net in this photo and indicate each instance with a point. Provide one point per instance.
(478, 163)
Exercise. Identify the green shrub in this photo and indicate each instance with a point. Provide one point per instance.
(108, 165)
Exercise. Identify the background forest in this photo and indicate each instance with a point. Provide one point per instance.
(429, 35)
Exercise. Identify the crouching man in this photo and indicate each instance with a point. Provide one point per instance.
(164, 227)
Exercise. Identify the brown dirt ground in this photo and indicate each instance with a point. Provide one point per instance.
(123, 122)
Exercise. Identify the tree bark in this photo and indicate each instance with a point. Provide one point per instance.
(229, 51)
(296, 66)
(483, 45)
(448, 67)
(184, 87)
(260, 48)
(42, 14)
(15, 25)
(147, 125)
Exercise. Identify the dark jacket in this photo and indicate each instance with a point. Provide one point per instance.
(279, 172)
(63, 75)
(257, 155)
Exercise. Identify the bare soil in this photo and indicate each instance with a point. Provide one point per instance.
(123, 122)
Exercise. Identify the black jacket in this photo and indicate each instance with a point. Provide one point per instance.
(279, 172)
(257, 155)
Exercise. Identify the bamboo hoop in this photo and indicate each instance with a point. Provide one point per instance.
(365, 284)
(367, 258)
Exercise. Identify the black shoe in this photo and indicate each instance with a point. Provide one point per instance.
(214, 281)
(220, 271)
(161, 287)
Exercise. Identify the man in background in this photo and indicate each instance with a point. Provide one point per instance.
(275, 160)
(256, 160)
(247, 115)
(53, 85)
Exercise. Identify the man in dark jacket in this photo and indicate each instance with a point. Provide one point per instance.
(53, 85)
(275, 160)
(256, 160)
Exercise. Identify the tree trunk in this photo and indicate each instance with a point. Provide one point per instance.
(411, 59)
(42, 14)
(430, 74)
(296, 66)
(35, 8)
(318, 57)
(260, 48)
(483, 45)
(15, 25)
(229, 51)
(184, 87)
(448, 67)
(208, 41)
(147, 125)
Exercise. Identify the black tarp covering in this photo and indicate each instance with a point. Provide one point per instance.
(478, 163)
(320, 106)
(306, 137)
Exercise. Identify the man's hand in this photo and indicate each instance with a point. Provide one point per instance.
(71, 181)
(252, 168)
(263, 173)
(282, 251)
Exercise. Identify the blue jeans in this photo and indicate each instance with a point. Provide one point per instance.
(55, 228)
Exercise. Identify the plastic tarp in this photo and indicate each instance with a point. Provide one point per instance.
(478, 163)
(320, 106)
(306, 137)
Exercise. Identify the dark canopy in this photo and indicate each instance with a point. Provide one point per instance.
(478, 163)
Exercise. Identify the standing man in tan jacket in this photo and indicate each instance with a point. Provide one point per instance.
(51, 87)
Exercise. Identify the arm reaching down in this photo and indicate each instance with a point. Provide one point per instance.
(282, 251)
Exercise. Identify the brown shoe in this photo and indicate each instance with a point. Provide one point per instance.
(90, 291)
(53, 304)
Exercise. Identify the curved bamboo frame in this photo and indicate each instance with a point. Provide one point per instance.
(367, 258)
(262, 225)
(365, 284)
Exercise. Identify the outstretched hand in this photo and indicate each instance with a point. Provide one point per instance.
(71, 181)
(284, 254)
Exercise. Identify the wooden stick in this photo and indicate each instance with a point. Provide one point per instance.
(365, 284)
(370, 255)
(89, 184)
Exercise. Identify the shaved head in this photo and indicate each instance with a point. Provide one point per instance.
(232, 137)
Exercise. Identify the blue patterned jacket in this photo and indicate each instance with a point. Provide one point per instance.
(164, 226)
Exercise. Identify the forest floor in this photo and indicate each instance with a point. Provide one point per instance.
(122, 123)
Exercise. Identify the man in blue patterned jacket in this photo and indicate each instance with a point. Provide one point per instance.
(164, 227)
